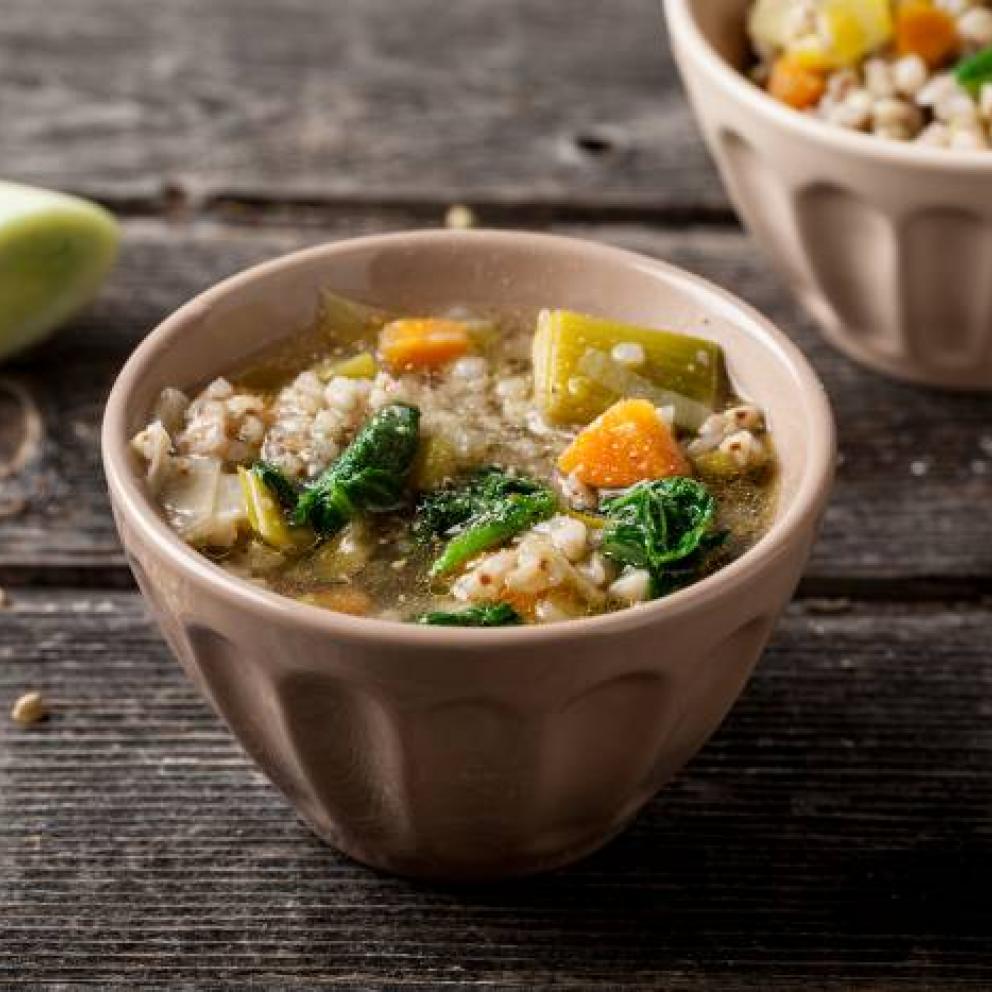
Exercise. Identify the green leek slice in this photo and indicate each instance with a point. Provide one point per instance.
(55, 251)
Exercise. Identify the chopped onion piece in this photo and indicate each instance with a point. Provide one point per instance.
(689, 414)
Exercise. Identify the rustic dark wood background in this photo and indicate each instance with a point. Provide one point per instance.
(835, 834)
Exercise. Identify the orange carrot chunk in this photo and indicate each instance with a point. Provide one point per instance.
(927, 31)
(796, 84)
(414, 344)
(628, 443)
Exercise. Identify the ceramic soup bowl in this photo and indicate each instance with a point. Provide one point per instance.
(888, 244)
(459, 753)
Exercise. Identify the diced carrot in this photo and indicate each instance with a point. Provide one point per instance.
(927, 31)
(628, 443)
(412, 344)
(525, 603)
(793, 82)
(341, 599)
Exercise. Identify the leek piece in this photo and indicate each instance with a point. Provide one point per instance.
(674, 363)
(592, 520)
(603, 372)
(347, 321)
(361, 366)
(720, 466)
(265, 515)
(55, 252)
(436, 463)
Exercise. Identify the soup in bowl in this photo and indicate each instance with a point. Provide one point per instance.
(472, 468)
(472, 538)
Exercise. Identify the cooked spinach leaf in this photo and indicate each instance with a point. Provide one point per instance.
(482, 512)
(974, 72)
(665, 527)
(486, 615)
(370, 476)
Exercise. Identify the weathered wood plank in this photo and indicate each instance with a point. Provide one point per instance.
(560, 101)
(833, 835)
(917, 466)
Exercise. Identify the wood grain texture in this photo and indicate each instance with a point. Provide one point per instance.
(835, 834)
(833, 837)
(419, 100)
(916, 465)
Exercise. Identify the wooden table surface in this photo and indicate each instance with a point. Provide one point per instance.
(835, 834)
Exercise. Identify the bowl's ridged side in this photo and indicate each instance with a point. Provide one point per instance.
(464, 782)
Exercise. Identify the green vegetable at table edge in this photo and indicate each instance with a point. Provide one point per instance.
(485, 615)
(55, 251)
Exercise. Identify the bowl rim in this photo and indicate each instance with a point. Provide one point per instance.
(137, 507)
(683, 27)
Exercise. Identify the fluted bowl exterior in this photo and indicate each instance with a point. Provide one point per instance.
(468, 754)
(887, 244)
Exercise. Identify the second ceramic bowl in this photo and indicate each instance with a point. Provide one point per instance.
(451, 752)
(889, 245)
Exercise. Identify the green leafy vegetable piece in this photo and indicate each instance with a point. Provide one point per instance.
(443, 509)
(482, 513)
(665, 527)
(486, 615)
(974, 72)
(371, 475)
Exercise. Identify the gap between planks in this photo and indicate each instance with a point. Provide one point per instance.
(250, 207)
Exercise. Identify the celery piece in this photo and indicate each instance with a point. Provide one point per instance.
(266, 517)
(679, 363)
(348, 321)
(360, 366)
(55, 251)
(719, 466)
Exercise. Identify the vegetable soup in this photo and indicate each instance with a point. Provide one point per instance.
(467, 468)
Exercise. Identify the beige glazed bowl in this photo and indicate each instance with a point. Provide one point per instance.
(452, 753)
(889, 245)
